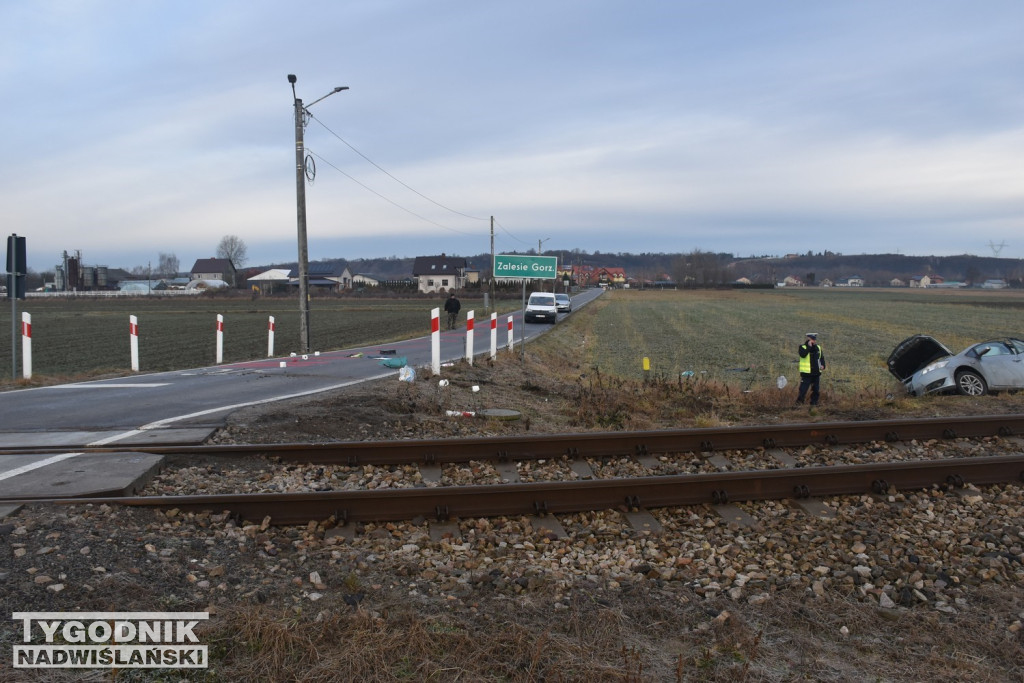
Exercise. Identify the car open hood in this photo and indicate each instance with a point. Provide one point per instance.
(913, 354)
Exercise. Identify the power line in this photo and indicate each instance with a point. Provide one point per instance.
(405, 185)
(505, 230)
(390, 201)
(385, 172)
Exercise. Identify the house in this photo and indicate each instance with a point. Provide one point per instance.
(610, 276)
(324, 276)
(926, 280)
(581, 276)
(213, 269)
(852, 281)
(896, 282)
(439, 273)
(792, 281)
(994, 284)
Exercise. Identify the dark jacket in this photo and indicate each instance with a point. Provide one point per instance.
(452, 305)
(812, 359)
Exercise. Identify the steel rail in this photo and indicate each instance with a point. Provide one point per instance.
(442, 503)
(601, 444)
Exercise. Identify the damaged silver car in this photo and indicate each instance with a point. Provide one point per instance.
(925, 366)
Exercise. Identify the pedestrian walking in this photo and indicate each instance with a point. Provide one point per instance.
(812, 362)
(452, 307)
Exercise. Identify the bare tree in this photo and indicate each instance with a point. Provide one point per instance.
(232, 248)
(168, 265)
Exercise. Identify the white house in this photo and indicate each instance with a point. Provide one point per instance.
(439, 273)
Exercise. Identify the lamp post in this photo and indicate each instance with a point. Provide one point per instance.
(300, 201)
(539, 243)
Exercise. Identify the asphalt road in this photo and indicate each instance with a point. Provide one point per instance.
(181, 406)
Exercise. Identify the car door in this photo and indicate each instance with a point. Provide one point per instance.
(1001, 365)
(1017, 346)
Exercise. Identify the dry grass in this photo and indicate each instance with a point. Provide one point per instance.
(644, 636)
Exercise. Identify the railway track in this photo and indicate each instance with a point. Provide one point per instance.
(785, 478)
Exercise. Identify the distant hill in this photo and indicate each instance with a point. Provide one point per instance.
(708, 268)
(880, 269)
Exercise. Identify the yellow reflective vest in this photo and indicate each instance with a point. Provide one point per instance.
(805, 360)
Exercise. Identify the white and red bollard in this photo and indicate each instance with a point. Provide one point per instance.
(435, 340)
(133, 341)
(26, 345)
(270, 338)
(510, 338)
(469, 337)
(494, 336)
(220, 339)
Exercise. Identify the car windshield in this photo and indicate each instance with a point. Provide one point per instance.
(562, 297)
(542, 300)
(1018, 345)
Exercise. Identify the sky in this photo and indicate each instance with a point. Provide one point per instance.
(754, 127)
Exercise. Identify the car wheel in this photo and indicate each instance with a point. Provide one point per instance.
(970, 383)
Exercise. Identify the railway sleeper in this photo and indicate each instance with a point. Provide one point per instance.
(643, 521)
(813, 507)
(734, 515)
(547, 525)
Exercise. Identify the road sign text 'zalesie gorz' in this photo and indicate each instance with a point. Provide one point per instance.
(526, 267)
(108, 640)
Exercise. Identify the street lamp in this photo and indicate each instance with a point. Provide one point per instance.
(539, 243)
(300, 200)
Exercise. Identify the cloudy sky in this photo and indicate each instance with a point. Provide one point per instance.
(751, 127)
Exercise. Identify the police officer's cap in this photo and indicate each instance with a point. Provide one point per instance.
(812, 335)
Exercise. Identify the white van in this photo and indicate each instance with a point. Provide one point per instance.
(541, 308)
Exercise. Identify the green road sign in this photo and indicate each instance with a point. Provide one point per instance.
(529, 267)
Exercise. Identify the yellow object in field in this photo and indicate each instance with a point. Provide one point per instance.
(647, 363)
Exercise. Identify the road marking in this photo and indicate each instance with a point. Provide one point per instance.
(36, 465)
(170, 420)
(115, 437)
(97, 385)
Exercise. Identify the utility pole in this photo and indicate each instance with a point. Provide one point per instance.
(491, 284)
(300, 202)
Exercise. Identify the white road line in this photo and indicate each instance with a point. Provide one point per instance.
(115, 437)
(36, 465)
(97, 385)
(170, 420)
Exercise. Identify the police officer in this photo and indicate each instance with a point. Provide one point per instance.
(812, 362)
